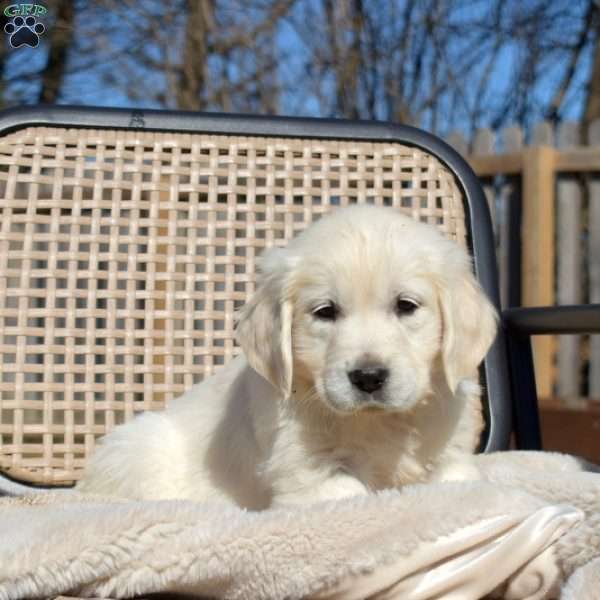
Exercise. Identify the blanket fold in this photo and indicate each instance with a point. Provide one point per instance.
(526, 531)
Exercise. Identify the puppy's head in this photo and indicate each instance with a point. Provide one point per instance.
(365, 307)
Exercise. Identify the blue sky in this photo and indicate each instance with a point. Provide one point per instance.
(87, 86)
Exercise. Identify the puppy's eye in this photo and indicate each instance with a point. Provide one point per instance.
(326, 312)
(405, 306)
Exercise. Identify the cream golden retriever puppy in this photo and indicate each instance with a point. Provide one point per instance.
(360, 355)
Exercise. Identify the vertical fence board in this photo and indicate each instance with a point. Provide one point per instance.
(484, 144)
(509, 225)
(458, 142)
(568, 254)
(537, 235)
(543, 134)
(540, 290)
(593, 250)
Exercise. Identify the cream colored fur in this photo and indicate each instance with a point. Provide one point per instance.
(283, 424)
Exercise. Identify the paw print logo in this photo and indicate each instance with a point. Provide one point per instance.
(24, 32)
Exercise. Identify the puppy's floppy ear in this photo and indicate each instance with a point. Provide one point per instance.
(264, 330)
(469, 327)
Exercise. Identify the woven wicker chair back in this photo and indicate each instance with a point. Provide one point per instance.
(125, 254)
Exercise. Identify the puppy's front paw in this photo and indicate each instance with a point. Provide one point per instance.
(340, 485)
(460, 470)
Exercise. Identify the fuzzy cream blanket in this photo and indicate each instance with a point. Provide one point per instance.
(529, 529)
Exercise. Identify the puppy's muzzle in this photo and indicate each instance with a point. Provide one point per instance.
(369, 379)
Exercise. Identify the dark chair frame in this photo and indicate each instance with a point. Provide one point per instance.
(510, 400)
(520, 324)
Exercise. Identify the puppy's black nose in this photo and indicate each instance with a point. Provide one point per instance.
(368, 379)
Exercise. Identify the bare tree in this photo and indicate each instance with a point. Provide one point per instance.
(440, 64)
(589, 26)
(60, 39)
(3, 58)
(444, 64)
(192, 78)
(197, 55)
(592, 104)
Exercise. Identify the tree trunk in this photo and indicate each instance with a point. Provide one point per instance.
(592, 104)
(192, 79)
(60, 39)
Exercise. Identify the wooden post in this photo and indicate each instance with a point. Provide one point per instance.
(594, 261)
(537, 235)
(568, 215)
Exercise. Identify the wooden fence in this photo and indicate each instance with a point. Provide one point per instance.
(545, 204)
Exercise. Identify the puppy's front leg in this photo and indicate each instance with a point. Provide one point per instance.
(460, 468)
(339, 485)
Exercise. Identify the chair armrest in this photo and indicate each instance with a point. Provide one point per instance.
(553, 319)
(519, 325)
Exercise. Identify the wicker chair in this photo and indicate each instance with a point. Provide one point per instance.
(128, 239)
